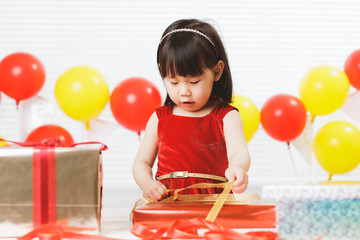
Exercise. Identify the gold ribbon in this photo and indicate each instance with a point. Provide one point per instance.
(340, 183)
(214, 212)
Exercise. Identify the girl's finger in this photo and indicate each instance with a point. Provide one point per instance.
(163, 186)
(239, 189)
(156, 195)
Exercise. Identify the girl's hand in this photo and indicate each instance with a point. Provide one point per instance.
(154, 190)
(240, 178)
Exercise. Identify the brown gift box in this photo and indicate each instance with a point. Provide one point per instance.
(234, 213)
(77, 186)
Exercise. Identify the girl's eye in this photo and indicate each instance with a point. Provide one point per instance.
(194, 82)
(173, 83)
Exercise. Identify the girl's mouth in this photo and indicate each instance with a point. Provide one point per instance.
(187, 103)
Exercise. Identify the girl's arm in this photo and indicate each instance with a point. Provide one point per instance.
(144, 161)
(237, 151)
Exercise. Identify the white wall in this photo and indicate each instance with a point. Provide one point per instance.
(270, 44)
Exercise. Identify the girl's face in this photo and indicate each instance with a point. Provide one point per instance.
(192, 93)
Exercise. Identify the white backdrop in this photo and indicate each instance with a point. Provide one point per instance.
(270, 44)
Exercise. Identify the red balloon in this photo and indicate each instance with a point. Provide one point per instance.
(352, 69)
(22, 76)
(51, 133)
(133, 101)
(283, 117)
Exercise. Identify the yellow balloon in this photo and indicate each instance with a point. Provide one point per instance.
(249, 113)
(323, 90)
(3, 143)
(337, 147)
(82, 93)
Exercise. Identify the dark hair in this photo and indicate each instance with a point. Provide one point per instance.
(189, 53)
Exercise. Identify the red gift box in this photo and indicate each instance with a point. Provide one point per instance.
(233, 214)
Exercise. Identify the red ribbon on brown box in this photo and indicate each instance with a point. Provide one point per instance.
(44, 186)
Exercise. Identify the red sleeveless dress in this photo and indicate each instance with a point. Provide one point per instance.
(193, 144)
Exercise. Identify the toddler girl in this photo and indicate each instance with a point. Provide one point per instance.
(196, 136)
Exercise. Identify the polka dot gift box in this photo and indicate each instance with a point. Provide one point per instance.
(316, 211)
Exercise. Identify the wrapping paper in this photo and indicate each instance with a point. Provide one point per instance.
(66, 189)
(316, 211)
(235, 213)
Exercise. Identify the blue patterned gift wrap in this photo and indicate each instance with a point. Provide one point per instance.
(316, 212)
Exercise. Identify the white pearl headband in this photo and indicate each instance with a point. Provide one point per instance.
(188, 30)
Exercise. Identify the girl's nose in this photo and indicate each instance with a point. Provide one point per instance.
(185, 90)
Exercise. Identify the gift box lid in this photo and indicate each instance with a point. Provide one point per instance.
(238, 211)
(315, 192)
